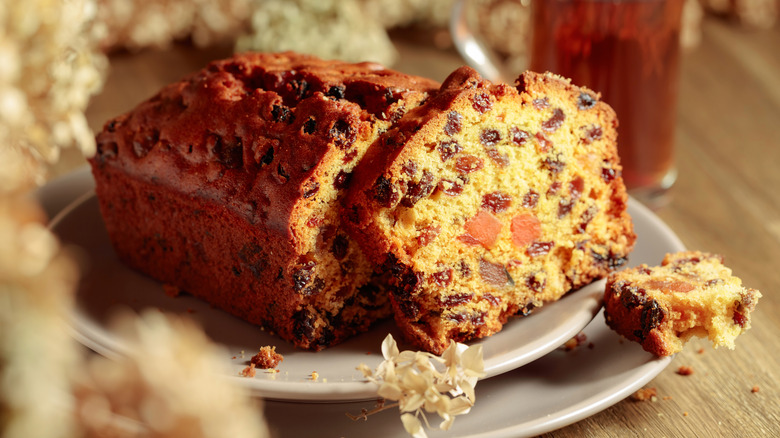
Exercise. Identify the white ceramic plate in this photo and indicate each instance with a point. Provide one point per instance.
(108, 286)
(554, 391)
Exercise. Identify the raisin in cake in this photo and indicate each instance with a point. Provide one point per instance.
(690, 294)
(226, 185)
(488, 201)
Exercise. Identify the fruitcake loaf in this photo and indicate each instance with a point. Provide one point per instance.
(226, 185)
(490, 200)
(691, 294)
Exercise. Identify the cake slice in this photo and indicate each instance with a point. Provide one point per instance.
(691, 294)
(490, 200)
(227, 185)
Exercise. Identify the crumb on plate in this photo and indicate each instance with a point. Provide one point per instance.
(267, 358)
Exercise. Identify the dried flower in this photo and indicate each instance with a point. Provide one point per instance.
(331, 29)
(158, 23)
(168, 385)
(49, 68)
(422, 382)
(37, 354)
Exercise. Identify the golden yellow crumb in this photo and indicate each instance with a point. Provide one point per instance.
(248, 371)
(645, 394)
(685, 370)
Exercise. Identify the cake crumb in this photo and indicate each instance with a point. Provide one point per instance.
(171, 290)
(754, 389)
(575, 342)
(248, 371)
(267, 358)
(645, 394)
(685, 370)
(685, 414)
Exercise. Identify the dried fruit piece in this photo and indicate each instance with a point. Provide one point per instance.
(418, 190)
(489, 137)
(454, 122)
(541, 103)
(482, 103)
(592, 134)
(340, 246)
(456, 299)
(502, 160)
(442, 278)
(585, 101)
(543, 142)
(468, 163)
(496, 202)
(448, 148)
(482, 229)
(342, 180)
(530, 199)
(343, 134)
(311, 189)
(428, 234)
(309, 126)
(452, 188)
(608, 174)
(536, 249)
(519, 136)
(555, 121)
(409, 168)
(525, 229)
(384, 192)
(493, 273)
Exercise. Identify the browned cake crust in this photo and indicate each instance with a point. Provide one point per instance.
(488, 201)
(226, 185)
(691, 294)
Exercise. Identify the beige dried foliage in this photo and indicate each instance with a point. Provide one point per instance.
(139, 24)
(399, 13)
(421, 382)
(36, 352)
(49, 68)
(173, 383)
(330, 29)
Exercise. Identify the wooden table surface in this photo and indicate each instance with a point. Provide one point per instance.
(726, 200)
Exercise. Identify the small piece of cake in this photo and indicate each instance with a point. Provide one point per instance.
(691, 294)
(227, 185)
(488, 201)
(267, 358)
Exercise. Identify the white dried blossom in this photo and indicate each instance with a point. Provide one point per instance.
(37, 354)
(49, 68)
(330, 29)
(158, 23)
(422, 382)
(399, 13)
(169, 385)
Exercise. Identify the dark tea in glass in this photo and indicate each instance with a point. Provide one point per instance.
(629, 51)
